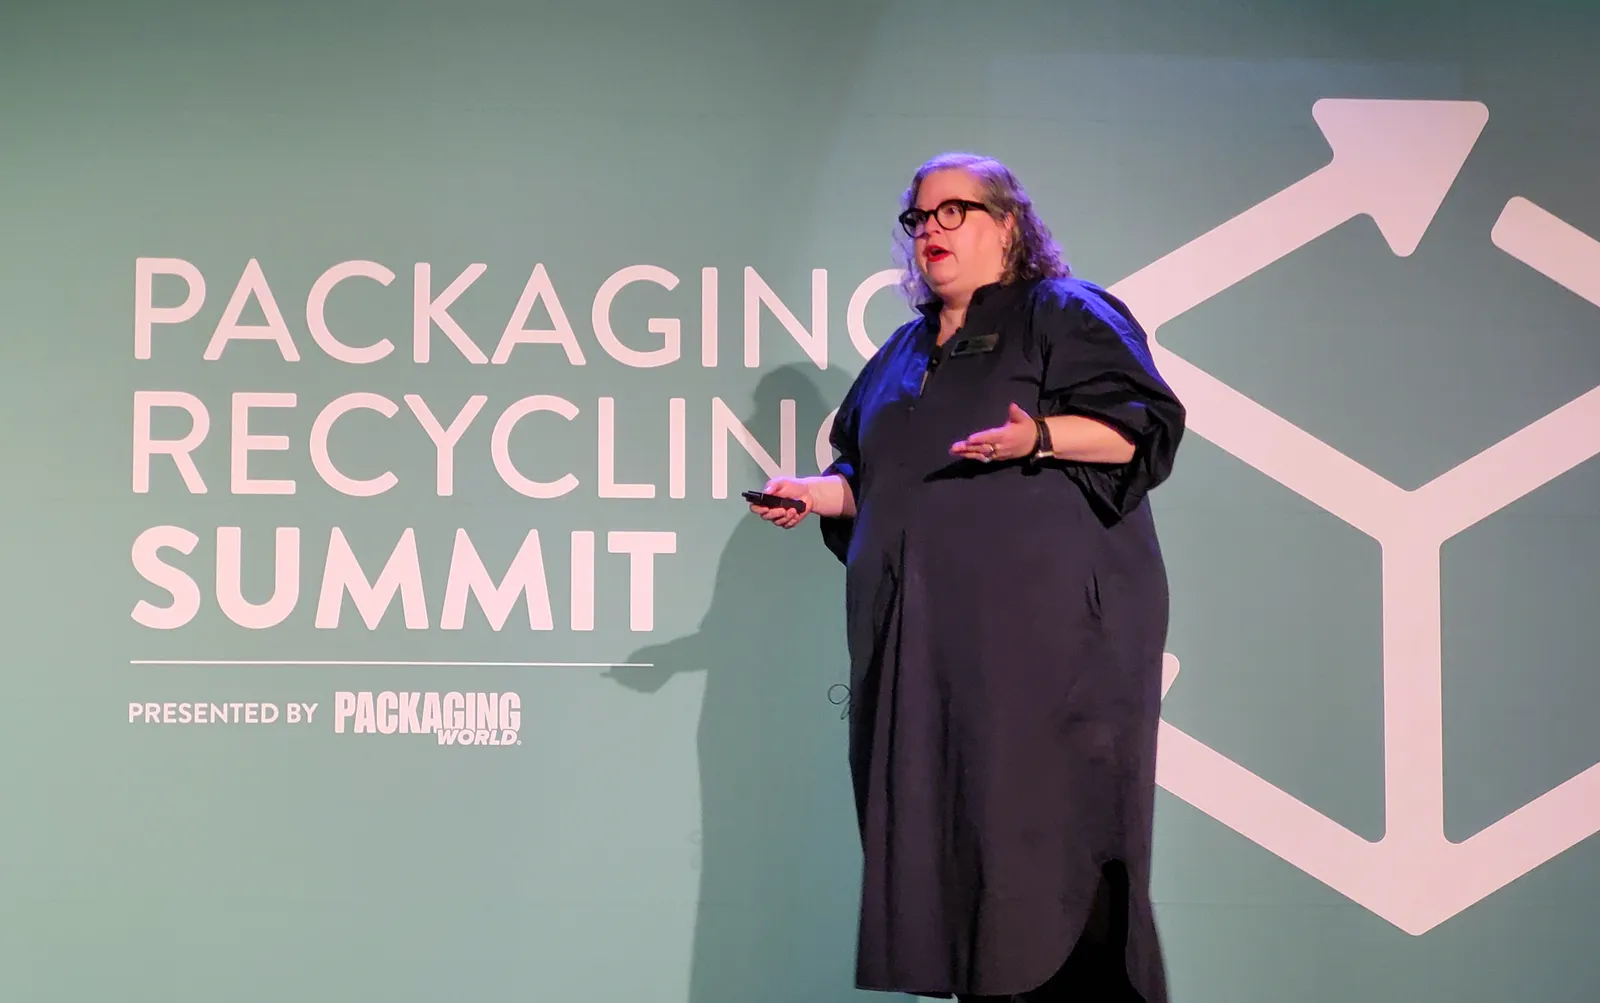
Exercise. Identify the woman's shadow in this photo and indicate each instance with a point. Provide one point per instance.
(780, 859)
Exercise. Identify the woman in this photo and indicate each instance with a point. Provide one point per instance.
(1006, 607)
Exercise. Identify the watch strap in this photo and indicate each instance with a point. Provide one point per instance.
(1043, 448)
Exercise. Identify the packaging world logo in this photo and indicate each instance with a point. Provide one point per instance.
(450, 718)
(1393, 161)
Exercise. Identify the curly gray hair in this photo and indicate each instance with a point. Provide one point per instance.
(1033, 253)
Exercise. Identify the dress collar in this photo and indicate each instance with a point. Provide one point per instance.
(981, 295)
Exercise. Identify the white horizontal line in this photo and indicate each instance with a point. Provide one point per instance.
(382, 662)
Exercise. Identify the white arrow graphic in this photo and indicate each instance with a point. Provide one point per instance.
(1393, 161)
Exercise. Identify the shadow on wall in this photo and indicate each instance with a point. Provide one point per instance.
(780, 870)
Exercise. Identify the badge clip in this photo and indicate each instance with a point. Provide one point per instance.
(975, 346)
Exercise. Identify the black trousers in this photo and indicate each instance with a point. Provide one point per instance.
(1096, 971)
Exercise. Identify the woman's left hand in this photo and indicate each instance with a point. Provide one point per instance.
(1013, 440)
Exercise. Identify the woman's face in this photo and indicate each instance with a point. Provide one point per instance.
(955, 255)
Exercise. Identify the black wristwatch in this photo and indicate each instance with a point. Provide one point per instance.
(1043, 448)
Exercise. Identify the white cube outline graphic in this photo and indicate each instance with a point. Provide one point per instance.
(1394, 161)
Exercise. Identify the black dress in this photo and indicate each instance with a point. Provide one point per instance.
(1006, 624)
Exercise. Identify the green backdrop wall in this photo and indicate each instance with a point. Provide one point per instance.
(567, 278)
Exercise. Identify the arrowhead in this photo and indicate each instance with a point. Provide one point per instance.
(1399, 158)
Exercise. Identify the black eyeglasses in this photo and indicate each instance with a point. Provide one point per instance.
(950, 213)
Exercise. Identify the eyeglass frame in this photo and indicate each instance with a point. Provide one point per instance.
(913, 218)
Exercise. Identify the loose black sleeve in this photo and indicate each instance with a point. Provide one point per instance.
(1097, 364)
(837, 531)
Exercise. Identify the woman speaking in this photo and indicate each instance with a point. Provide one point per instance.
(1006, 606)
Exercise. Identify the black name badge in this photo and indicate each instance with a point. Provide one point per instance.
(975, 346)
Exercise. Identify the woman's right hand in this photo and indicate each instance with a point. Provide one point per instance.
(798, 488)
